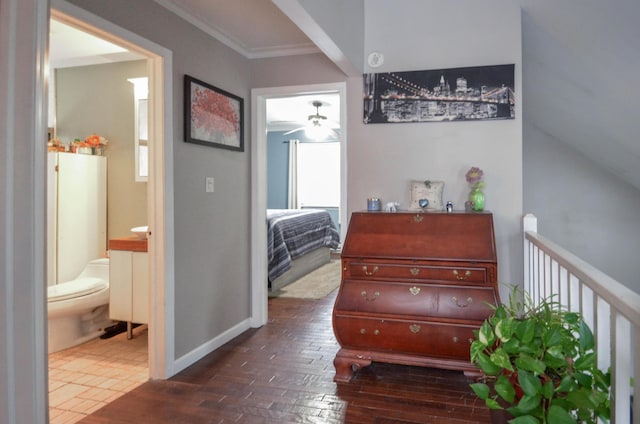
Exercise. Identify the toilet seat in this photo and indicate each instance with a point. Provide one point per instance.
(75, 288)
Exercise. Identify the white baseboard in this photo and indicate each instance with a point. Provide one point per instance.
(208, 347)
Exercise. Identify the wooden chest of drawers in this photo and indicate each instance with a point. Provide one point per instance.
(414, 287)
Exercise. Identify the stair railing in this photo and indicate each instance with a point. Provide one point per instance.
(611, 309)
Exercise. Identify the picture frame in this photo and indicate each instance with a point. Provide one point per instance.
(431, 192)
(212, 116)
(472, 93)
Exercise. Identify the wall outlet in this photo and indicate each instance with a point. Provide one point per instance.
(209, 184)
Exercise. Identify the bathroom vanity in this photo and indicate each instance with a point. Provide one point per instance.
(129, 281)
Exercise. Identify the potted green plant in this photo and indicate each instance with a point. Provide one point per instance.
(539, 364)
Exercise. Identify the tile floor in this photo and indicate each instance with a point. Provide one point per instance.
(85, 378)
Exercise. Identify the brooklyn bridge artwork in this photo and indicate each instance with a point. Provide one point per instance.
(457, 94)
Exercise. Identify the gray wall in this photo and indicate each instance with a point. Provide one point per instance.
(384, 158)
(211, 230)
(99, 99)
(582, 208)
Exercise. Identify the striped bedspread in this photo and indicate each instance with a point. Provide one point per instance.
(294, 232)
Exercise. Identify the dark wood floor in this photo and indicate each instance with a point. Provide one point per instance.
(283, 373)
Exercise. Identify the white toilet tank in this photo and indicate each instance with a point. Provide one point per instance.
(97, 268)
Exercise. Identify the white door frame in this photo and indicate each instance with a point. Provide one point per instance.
(259, 96)
(160, 183)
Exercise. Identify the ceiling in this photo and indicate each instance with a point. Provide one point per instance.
(581, 61)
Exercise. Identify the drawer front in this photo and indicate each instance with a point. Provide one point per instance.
(427, 300)
(415, 337)
(463, 273)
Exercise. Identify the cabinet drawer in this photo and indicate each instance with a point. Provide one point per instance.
(462, 273)
(427, 300)
(404, 336)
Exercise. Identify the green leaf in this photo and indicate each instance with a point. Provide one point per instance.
(587, 341)
(529, 363)
(476, 349)
(547, 389)
(566, 384)
(504, 389)
(584, 379)
(529, 383)
(501, 359)
(529, 403)
(504, 329)
(553, 337)
(572, 317)
(525, 419)
(557, 415)
(481, 390)
(581, 399)
(485, 364)
(525, 331)
(485, 335)
(492, 404)
(586, 362)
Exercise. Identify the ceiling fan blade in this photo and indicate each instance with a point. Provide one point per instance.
(294, 130)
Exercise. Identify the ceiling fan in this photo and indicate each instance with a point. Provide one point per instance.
(316, 127)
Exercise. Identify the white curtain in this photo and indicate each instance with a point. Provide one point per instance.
(293, 175)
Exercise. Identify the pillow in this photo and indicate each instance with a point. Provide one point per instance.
(426, 195)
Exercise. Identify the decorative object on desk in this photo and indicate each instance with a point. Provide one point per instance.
(212, 116)
(539, 364)
(476, 196)
(426, 195)
(374, 204)
(391, 207)
(449, 206)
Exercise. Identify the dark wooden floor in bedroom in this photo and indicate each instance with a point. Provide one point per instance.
(283, 373)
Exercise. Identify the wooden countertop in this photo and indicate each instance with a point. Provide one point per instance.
(132, 243)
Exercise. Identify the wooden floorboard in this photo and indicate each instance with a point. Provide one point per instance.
(283, 373)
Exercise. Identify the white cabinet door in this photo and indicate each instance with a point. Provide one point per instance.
(140, 275)
(120, 287)
(129, 286)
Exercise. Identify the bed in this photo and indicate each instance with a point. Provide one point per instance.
(298, 241)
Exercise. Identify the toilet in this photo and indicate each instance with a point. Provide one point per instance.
(78, 310)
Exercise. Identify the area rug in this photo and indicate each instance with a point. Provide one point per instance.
(315, 285)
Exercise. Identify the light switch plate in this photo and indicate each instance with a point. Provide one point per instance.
(209, 184)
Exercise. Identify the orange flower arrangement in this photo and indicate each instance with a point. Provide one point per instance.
(94, 140)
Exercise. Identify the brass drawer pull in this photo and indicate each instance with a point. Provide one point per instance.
(414, 271)
(363, 331)
(373, 271)
(376, 332)
(461, 277)
(414, 328)
(369, 299)
(462, 305)
(418, 218)
(455, 339)
(414, 290)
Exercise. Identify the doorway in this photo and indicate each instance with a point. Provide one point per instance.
(259, 99)
(160, 183)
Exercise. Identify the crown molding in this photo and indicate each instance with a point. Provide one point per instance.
(235, 44)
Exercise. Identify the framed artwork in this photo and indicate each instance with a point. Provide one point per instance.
(212, 117)
(475, 93)
(426, 195)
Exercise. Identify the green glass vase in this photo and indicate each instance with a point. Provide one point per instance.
(476, 198)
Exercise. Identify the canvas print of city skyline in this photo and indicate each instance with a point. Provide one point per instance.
(457, 94)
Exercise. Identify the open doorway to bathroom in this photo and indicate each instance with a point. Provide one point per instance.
(84, 377)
